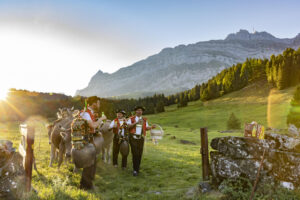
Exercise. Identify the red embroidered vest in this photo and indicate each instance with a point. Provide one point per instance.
(116, 130)
(133, 129)
(92, 117)
(91, 114)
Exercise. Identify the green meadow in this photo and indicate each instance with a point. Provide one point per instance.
(253, 103)
(169, 170)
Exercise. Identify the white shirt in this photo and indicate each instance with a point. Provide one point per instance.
(138, 129)
(86, 115)
(121, 123)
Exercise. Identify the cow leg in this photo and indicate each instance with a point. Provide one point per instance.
(56, 155)
(67, 160)
(34, 165)
(76, 170)
(49, 135)
(103, 154)
(52, 154)
(61, 154)
(108, 153)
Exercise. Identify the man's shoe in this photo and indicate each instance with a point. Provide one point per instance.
(135, 173)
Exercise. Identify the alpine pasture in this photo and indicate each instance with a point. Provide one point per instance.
(170, 169)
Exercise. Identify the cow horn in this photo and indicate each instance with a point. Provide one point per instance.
(63, 134)
(75, 113)
(58, 115)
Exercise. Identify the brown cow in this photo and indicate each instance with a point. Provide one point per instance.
(61, 138)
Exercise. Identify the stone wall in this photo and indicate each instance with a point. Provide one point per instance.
(11, 172)
(241, 156)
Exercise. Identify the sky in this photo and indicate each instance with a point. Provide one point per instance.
(58, 45)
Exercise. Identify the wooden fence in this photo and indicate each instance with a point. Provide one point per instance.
(26, 150)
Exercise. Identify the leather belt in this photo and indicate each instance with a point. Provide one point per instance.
(137, 136)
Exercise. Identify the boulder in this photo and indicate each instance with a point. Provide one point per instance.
(241, 156)
(11, 172)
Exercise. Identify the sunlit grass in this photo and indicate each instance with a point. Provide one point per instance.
(266, 106)
(168, 169)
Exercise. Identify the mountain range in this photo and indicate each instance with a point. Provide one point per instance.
(182, 67)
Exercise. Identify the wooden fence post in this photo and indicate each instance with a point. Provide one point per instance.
(205, 154)
(26, 150)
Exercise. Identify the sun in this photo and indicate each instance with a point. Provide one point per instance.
(3, 94)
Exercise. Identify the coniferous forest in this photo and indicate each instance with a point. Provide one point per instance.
(280, 71)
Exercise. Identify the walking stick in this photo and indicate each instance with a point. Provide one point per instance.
(257, 176)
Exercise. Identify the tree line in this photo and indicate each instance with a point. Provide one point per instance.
(21, 104)
(280, 71)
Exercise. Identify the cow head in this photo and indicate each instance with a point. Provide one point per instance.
(64, 112)
(66, 138)
(104, 127)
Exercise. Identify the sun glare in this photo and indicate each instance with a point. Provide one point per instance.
(3, 94)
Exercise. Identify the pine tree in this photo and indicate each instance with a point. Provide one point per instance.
(280, 83)
(160, 107)
(183, 100)
(233, 122)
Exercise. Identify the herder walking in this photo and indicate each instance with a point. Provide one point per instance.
(120, 141)
(138, 125)
(88, 114)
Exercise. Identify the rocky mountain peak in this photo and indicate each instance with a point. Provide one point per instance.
(245, 35)
(182, 67)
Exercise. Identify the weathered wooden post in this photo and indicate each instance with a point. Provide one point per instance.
(205, 154)
(26, 150)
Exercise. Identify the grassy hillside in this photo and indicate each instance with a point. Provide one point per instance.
(256, 102)
(169, 169)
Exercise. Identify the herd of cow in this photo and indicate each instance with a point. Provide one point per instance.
(60, 139)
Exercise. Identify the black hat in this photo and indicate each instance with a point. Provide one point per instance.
(139, 107)
(121, 111)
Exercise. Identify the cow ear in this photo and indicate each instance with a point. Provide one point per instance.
(49, 126)
(58, 115)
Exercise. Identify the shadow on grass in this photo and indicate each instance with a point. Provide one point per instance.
(164, 175)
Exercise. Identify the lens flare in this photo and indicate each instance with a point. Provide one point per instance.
(278, 107)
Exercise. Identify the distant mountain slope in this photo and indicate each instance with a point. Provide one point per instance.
(180, 68)
(256, 102)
